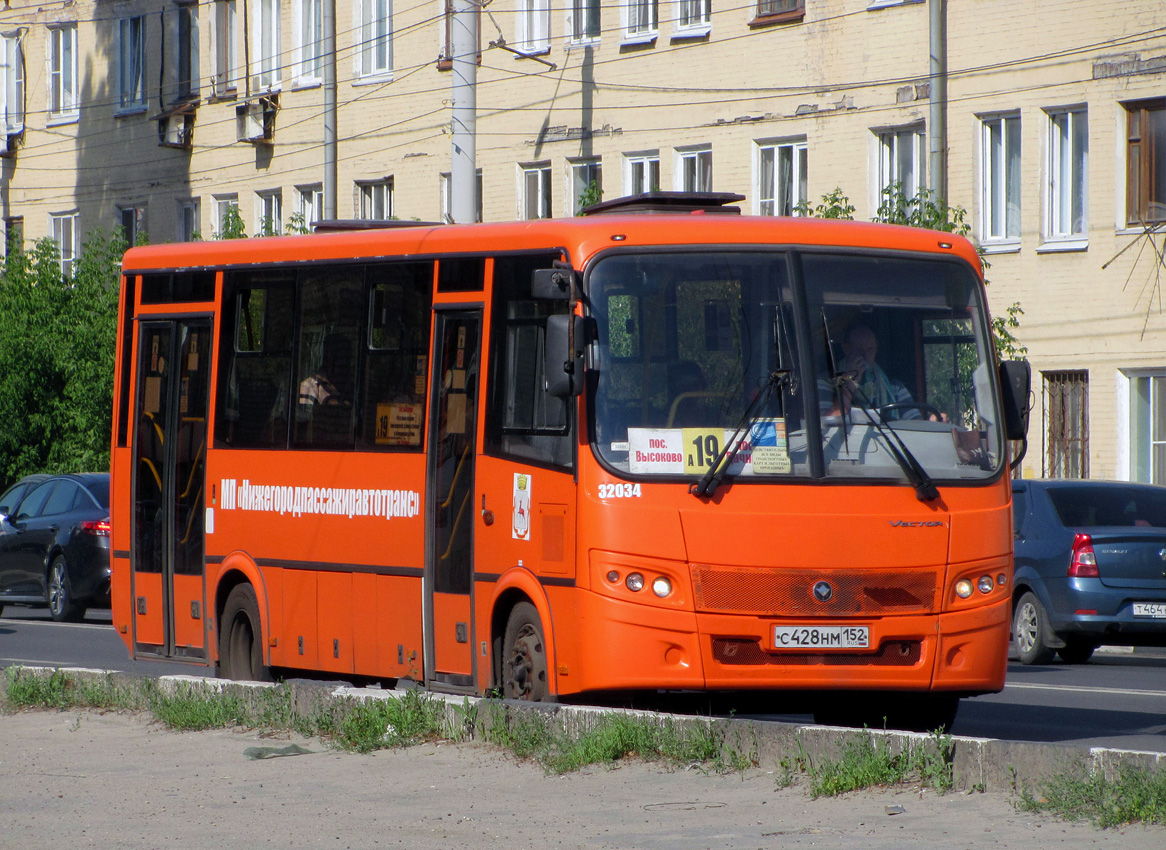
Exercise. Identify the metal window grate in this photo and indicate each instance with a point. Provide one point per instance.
(1066, 403)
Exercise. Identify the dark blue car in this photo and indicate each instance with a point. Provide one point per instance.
(1090, 567)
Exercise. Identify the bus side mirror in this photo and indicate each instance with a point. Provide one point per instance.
(551, 284)
(1015, 386)
(563, 368)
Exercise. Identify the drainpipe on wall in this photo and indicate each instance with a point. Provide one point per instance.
(937, 137)
(328, 25)
(463, 171)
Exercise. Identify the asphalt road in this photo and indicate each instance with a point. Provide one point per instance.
(1117, 700)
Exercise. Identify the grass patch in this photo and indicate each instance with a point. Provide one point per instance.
(1135, 795)
(865, 763)
(370, 725)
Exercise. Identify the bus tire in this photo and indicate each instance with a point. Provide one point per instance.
(524, 657)
(241, 638)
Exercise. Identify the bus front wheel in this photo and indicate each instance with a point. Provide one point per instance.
(240, 638)
(524, 656)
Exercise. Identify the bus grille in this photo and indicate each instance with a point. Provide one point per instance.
(789, 592)
(737, 652)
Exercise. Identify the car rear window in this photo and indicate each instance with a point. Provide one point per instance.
(1087, 507)
(100, 490)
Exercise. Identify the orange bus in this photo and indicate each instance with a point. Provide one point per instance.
(663, 446)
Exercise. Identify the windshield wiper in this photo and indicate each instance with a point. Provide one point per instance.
(925, 489)
(711, 480)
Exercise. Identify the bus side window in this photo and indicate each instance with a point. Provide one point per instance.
(253, 401)
(523, 420)
(396, 356)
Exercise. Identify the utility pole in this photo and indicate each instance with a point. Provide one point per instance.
(463, 169)
(328, 25)
(937, 137)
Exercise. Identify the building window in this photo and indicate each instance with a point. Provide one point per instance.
(902, 155)
(584, 19)
(13, 235)
(1000, 167)
(189, 220)
(1068, 174)
(12, 88)
(133, 224)
(695, 170)
(784, 8)
(536, 191)
(65, 229)
(308, 30)
(586, 184)
(447, 197)
(642, 173)
(63, 72)
(186, 52)
(1148, 429)
(375, 52)
(1146, 162)
(375, 199)
(225, 49)
(641, 20)
(226, 218)
(534, 26)
(692, 17)
(131, 69)
(1066, 397)
(781, 177)
(310, 204)
(266, 46)
(268, 213)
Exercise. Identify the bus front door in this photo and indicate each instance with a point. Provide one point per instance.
(449, 659)
(168, 574)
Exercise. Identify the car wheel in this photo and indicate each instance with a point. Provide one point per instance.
(62, 606)
(1029, 627)
(1076, 652)
(240, 636)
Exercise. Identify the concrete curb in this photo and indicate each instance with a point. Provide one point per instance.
(978, 764)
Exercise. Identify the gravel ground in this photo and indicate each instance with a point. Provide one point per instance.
(81, 779)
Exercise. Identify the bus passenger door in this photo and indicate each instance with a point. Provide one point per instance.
(169, 482)
(449, 566)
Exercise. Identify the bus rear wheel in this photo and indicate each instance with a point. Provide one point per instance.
(240, 638)
(524, 657)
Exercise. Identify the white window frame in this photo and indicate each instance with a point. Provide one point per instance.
(266, 73)
(693, 19)
(131, 64)
(12, 83)
(269, 209)
(310, 203)
(534, 191)
(775, 196)
(373, 56)
(640, 21)
(1067, 186)
(579, 176)
(900, 149)
(189, 220)
(447, 197)
(65, 230)
(222, 202)
(534, 27)
(374, 199)
(308, 30)
(694, 169)
(637, 172)
(579, 15)
(225, 49)
(186, 52)
(1000, 190)
(1140, 424)
(64, 104)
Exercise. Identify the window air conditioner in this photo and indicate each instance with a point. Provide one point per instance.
(176, 131)
(255, 121)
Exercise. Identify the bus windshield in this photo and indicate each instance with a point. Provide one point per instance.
(875, 357)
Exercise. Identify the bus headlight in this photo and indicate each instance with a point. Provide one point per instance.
(964, 588)
(985, 584)
(635, 582)
(661, 586)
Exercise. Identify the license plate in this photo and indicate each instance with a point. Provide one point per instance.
(821, 637)
(1156, 610)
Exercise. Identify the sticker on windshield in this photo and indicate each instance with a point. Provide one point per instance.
(655, 451)
(692, 451)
